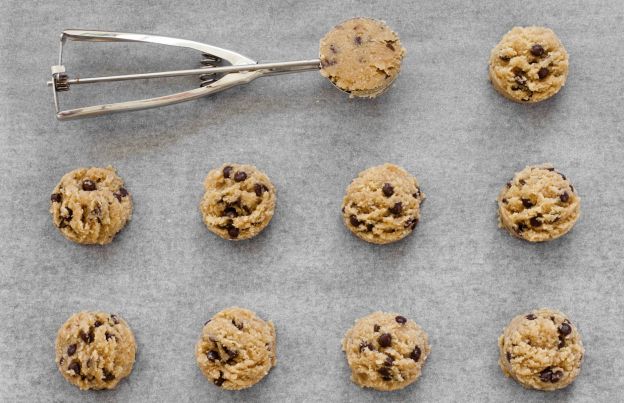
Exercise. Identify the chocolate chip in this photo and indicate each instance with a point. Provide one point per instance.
(546, 374)
(535, 222)
(122, 192)
(401, 319)
(369, 227)
(504, 200)
(230, 212)
(390, 46)
(389, 361)
(508, 184)
(260, 188)
(376, 328)
(537, 50)
(385, 340)
(71, 349)
(520, 79)
(556, 376)
(108, 336)
(70, 214)
(367, 345)
(542, 73)
(240, 176)
(227, 170)
(108, 376)
(239, 326)
(219, 381)
(358, 40)
(521, 227)
(87, 337)
(415, 354)
(56, 197)
(354, 221)
(387, 190)
(531, 317)
(564, 197)
(504, 58)
(74, 366)
(527, 203)
(213, 355)
(411, 223)
(508, 355)
(565, 329)
(562, 176)
(522, 182)
(386, 373)
(88, 185)
(396, 209)
(114, 319)
(233, 232)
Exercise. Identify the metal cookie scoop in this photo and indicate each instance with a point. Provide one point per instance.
(213, 76)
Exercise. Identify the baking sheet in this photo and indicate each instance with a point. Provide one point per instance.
(459, 276)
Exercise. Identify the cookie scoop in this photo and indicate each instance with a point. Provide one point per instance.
(360, 56)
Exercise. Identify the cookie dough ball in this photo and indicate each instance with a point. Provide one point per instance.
(95, 350)
(236, 349)
(539, 204)
(529, 64)
(541, 350)
(361, 56)
(382, 204)
(385, 351)
(90, 205)
(239, 201)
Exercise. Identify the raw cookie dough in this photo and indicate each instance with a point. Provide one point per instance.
(239, 201)
(385, 351)
(529, 64)
(90, 205)
(541, 350)
(236, 349)
(382, 204)
(361, 56)
(539, 204)
(95, 350)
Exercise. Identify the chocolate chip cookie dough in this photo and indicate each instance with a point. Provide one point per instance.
(361, 56)
(382, 204)
(236, 349)
(539, 204)
(95, 350)
(385, 351)
(529, 64)
(90, 205)
(541, 350)
(239, 201)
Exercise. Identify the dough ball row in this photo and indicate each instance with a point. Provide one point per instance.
(541, 349)
(381, 205)
(362, 56)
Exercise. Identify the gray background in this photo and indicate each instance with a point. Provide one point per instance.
(459, 276)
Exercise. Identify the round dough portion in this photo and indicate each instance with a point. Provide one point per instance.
(236, 349)
(95, 350)
(90, 205)
(541, 350)
(361, 56)
(385, 351)
(239, 201)
(382, 204)
(539, 204)
(529, 64)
